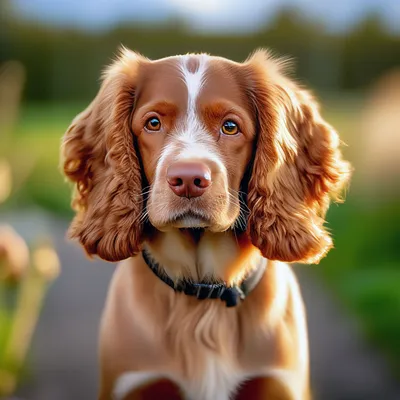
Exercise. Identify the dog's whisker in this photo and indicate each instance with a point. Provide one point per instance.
(235, 195)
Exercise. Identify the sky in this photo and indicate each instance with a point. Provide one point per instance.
(203, 15)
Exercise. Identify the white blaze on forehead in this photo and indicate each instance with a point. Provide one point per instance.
(192, 134)
(197, 141)
(193, 68)
(194, 79)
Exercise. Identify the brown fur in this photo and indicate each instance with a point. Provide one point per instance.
(297, 168)
(100, 158)
(286, 157)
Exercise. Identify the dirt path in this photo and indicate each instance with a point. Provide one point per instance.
(63, 357)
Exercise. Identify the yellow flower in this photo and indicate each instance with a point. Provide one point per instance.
(46, 261)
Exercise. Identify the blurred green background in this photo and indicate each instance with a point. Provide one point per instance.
(351, 62)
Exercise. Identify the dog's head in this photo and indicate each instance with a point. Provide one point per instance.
(202, 142)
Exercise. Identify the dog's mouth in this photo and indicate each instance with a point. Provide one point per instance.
(189, 220)
(191, 224)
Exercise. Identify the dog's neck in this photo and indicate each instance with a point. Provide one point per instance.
(226, 256)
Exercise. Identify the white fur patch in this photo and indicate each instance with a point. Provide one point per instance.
(194, 80)
(194, 83)
(131, 380)
(219, 380)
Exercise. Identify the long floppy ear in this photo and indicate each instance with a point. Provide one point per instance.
(99, 156)
(297, 167)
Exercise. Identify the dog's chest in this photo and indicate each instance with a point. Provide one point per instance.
(218, 379)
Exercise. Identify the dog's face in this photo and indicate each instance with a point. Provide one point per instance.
(195, 130)
(202, 142)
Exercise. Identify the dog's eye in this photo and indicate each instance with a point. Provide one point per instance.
(153, 124)
(229, 128)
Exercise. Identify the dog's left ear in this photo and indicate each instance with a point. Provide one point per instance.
(297, 167)
(99, 157)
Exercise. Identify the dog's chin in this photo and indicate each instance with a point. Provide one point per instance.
(190, 221)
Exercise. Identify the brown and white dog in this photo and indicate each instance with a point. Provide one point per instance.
(220, 171)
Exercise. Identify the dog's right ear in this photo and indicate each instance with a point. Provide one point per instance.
(298, 167)
(100, 158)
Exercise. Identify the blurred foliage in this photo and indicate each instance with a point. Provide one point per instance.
(364, 268)
(20, 302)
(64, 64)
(24, 274)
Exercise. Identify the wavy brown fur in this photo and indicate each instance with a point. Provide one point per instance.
(298, 167)
(99, 156)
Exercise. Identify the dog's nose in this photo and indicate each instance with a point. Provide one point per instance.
(188, 178)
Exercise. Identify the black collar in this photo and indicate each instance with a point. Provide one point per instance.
(204, 290)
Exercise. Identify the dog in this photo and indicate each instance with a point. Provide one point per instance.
(205, 177)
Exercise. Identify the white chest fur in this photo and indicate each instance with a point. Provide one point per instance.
(218, 381)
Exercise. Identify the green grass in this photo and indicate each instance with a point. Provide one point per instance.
(363, 270)
(37, 141)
